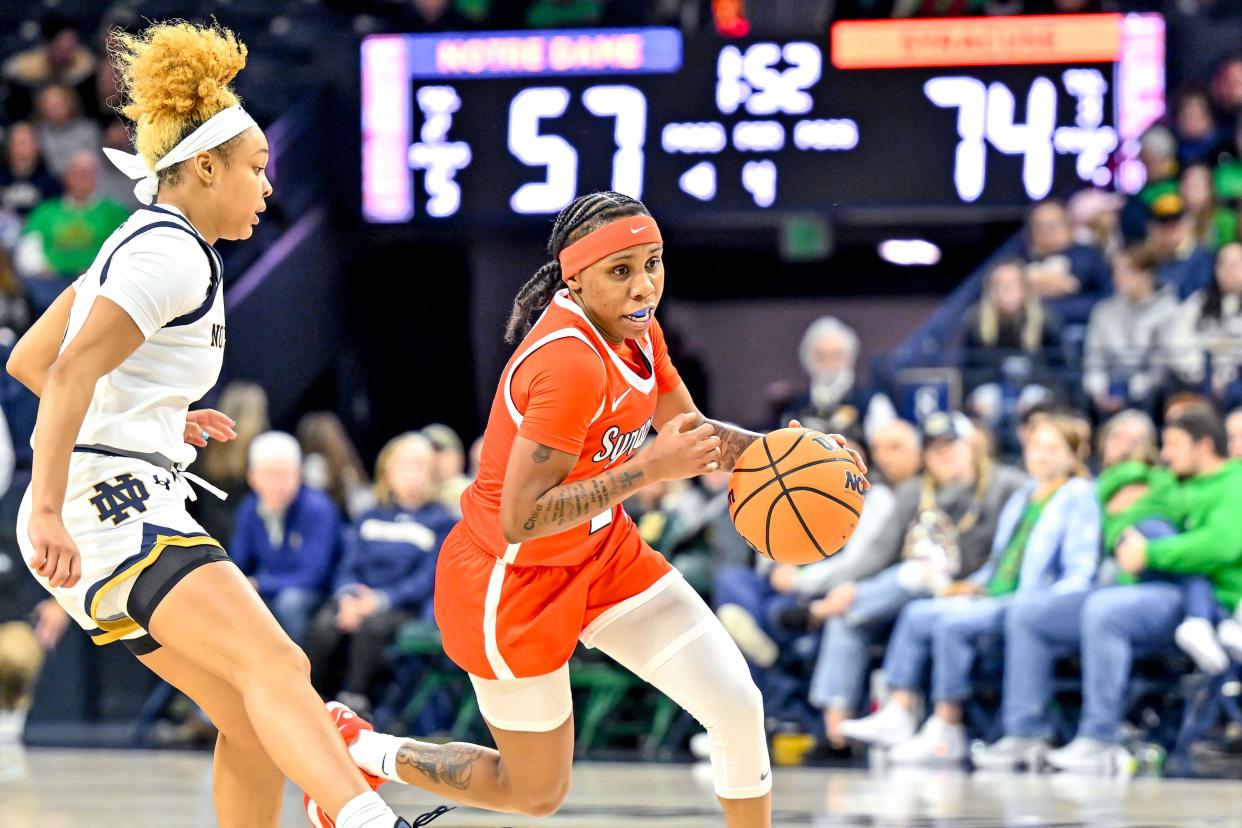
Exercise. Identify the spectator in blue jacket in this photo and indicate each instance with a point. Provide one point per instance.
(386, 576)
(287, 534)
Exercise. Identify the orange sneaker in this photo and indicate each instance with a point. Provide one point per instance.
(350, 724)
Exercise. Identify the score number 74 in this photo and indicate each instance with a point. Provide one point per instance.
(985, 115)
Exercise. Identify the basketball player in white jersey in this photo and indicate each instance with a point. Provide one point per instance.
(117, 361)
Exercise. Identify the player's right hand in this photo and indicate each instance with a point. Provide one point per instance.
(56, 556)
(676, 454)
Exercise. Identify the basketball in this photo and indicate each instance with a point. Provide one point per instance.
(795, 496)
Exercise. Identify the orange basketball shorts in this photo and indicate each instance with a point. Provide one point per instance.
(503, 620)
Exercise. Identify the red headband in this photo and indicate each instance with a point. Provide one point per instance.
(605, 241)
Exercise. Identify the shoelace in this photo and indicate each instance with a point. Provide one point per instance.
(426, 818)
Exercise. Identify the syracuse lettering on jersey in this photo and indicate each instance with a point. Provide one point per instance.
(617, 445)
(567, 388)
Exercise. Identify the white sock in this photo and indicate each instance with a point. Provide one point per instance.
(366, 811)
(376, 753)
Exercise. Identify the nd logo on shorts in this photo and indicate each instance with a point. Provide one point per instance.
(114, 500)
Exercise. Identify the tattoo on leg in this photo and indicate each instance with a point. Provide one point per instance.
(451, 765)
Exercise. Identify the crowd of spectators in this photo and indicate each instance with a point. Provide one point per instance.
(1116, 301)
(976, 574)
(59, 200)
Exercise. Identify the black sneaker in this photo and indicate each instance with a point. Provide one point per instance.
(424, 819)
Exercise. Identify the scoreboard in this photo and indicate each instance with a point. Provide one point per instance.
(925, 116)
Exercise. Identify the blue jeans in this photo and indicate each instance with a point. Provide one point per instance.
(841, 667)
(1117, 623)
(1041, 627)
(293, 608)
(947, 631)
(1201, 599)
(753, 592)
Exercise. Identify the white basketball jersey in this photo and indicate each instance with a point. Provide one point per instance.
(162, 273)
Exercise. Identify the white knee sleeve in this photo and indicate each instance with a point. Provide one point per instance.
(675, 642)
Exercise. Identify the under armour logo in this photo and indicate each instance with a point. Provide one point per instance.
(114, 500)
(166, 482)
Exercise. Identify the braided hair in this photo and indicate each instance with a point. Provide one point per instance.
(584, 215)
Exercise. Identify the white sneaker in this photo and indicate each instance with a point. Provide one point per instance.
(12, 726)
(1090, 756)
(1229, 634)
(1010, 753)
(1197, 638)
(891, 725)
(742, 627)
(936, 742)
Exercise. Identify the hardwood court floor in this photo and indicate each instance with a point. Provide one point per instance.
(45, 788)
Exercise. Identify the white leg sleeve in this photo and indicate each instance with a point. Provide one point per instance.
(675, 642)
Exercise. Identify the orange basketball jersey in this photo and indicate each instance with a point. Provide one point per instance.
(568, 388)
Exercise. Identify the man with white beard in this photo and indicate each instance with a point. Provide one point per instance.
(834, 401)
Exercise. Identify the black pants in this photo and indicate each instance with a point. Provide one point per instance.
(350, 662)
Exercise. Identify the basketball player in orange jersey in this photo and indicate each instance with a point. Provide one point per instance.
(545, 556)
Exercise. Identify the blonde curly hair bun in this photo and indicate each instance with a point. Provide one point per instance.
(174, 76)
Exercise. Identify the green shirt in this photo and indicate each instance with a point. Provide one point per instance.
(72, 233)
(1163, 501)
(1008, 572)
(1212, 541)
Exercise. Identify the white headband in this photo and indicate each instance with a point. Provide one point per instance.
(213, 132)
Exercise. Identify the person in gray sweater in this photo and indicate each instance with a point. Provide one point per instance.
(1126, 352)
(940, 529)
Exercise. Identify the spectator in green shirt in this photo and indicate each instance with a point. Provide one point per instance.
(1118, 622)
(63, 235)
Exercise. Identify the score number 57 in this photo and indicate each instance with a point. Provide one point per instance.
(528, 145)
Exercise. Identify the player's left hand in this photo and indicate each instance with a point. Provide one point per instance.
(208, 423)
(1132, 551)
(841, 441)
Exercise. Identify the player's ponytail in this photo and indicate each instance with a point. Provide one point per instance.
(535, 294)
(584, 215)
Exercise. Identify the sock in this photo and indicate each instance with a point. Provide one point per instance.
(366, 811)
(376, 753)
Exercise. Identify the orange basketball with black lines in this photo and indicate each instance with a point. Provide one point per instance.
(796, 496)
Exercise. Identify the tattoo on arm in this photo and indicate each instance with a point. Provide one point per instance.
(541, 454)
(451, 765)
(733, 441)
(569, 504)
